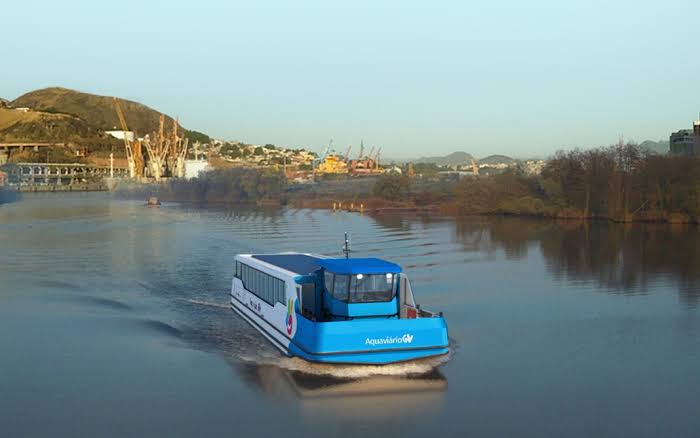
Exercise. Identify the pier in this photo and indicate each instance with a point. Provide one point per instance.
(53, 177)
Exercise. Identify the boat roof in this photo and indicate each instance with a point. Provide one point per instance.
(305, 264)
(368, 265)
(302, 264)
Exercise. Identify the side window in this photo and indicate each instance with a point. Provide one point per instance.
(266, 287)
(328, 280)
(340, 287)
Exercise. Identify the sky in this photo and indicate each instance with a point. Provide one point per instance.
(521, 78)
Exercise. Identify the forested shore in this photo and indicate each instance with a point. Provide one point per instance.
(619, 183)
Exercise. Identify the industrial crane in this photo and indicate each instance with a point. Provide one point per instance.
(127, 144)
(159, 149)
(376, 158)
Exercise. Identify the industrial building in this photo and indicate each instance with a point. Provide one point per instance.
(682, 142)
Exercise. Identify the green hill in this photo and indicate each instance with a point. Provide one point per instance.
(97, 111)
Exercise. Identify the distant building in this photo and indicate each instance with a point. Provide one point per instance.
(121, 134)
(683, 142)
(696, 145)
(194, 167)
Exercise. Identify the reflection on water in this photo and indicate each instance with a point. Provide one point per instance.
(373, 397)
(559, 328)
(619, 258)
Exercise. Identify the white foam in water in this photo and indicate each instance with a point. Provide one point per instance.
(208, 303)
(417, 367)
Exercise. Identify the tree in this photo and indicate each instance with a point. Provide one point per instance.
(392, 186)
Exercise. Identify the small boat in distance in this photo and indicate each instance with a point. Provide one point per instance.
(335, 310)
(153, 202)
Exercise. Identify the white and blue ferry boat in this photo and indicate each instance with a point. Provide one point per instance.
(335, 310)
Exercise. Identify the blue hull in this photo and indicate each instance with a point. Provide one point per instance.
(376, 341)
(370, 340)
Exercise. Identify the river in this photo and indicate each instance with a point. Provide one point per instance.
(114, 321)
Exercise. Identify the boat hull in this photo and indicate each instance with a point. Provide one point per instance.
(371, 341)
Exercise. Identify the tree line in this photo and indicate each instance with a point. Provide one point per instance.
(622, 183)
(238, 185)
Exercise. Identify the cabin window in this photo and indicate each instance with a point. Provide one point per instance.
(265, 286)
(372, 288)
(328, 279)
(340, 287)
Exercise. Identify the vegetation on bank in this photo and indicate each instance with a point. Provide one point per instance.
(238, 185)
(621, 183)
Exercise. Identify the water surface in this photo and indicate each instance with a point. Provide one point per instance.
(114, 322)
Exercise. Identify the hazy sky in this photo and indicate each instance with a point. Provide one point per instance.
(522, 78)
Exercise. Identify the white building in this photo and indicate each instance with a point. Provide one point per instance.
(194, 167)
(121, 134)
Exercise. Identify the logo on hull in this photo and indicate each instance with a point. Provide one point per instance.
(389, 340)
(290, 322)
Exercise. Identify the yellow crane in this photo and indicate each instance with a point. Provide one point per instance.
(127, 144)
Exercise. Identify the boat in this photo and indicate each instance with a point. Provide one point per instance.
(335, 310)
(153, 202)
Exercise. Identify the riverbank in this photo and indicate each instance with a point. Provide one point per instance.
(619, 184)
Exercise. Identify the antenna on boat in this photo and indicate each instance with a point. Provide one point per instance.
(346, 246)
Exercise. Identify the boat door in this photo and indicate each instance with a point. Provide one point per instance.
(408, 304)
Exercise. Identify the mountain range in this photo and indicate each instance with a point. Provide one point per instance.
(453, 159)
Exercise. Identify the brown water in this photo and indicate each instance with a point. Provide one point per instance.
(114, 322)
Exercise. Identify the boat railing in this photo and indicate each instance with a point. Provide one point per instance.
(416, 312)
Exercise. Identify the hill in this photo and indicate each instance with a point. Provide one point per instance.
(97, 111)
(658, 147)
(453, 159)
(17, 126)
(497, 159)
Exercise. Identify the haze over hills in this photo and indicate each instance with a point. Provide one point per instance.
(497, 159)
(659, 147)
(62, 115)
(453, 159)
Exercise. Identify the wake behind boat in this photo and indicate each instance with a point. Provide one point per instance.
(335, 310)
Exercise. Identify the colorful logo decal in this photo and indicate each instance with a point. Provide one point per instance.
(290, 323)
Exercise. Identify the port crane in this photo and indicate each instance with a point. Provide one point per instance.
(166, 151)
(127, 144)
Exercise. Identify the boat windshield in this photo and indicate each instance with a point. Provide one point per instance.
(362, 288)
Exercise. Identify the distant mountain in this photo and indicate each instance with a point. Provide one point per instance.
(497, 159)
(453, 159)
(660, 147)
